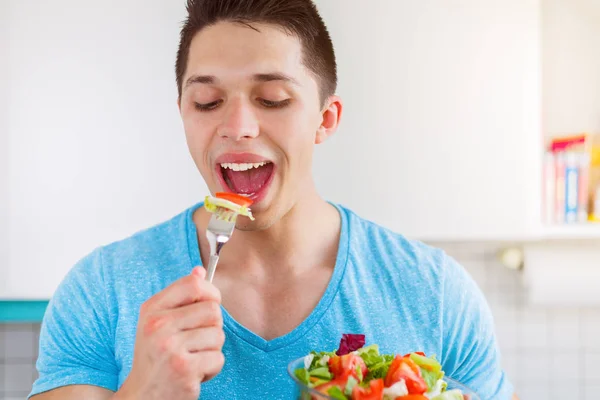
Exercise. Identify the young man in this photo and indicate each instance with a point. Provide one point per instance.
(137, 320)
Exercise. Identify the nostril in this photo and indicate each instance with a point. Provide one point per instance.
(237, 135)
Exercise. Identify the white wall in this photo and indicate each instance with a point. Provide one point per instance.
(571, 66)
(97, 149)
(4, 82)
(442, 114)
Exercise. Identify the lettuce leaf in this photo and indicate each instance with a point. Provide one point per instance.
(336, 393)
(350, 386)
(320, 359)
(350, 342)
(302, 375)
(431, 369)
(321, 372)
(377, 364)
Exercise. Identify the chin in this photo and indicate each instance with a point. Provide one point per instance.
(265, 216)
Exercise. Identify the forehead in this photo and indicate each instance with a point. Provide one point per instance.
(233, 50)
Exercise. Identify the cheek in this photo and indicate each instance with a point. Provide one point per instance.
(198, 139)
(297, 144)
(292, 139)
(293, 132)
(303, 138)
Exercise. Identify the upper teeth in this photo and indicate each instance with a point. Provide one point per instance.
(242, 166)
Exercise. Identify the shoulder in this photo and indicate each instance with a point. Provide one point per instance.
(393, 250)
(410, 266)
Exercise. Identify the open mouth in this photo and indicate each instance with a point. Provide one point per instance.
(248, 179)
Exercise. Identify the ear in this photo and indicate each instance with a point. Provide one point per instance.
(332, 113)
(179, 104)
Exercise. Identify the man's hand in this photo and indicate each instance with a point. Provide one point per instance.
(178, 343)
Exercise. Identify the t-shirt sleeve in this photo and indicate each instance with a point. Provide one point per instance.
(76, 338)
(470, 350)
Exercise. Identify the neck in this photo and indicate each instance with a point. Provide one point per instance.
(305, 237)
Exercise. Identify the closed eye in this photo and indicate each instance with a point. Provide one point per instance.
(207, 106)
(274, 104)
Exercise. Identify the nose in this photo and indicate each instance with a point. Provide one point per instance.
(239, 121)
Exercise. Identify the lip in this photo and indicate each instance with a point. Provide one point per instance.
(244, 158)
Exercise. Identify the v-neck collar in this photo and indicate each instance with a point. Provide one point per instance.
(317, 313)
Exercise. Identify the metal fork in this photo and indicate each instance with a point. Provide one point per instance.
(219, 230)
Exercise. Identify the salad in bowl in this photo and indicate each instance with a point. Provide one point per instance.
(359, 372)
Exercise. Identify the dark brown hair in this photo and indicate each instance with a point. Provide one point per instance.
(296, 17)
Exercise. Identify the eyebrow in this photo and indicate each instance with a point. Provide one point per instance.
(268, 77)
(275, 76)
(205, 79)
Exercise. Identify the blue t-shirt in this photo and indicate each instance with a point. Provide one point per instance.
(402, 294)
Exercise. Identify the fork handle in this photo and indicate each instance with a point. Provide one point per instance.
(212, 265)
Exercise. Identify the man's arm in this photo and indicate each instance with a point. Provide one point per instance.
(76, 355)
(76, 392)
(471, 354)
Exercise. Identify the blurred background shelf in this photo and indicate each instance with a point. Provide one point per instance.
(589, 231)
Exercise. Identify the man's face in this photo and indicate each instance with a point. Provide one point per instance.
(252, 114)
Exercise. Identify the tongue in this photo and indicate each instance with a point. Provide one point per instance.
(249, 181)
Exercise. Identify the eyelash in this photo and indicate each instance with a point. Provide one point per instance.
(266, 103)
(208, 106)
(274, 104)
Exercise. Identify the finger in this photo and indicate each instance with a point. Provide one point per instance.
(208, 364)
(197, 315)
(189, 289)
(202, 314)
(200, 272)
(202, 339)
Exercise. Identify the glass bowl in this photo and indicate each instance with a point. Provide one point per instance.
(303, 392)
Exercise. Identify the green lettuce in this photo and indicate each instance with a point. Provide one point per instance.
(370, 355)
(336, 393)
(377, 364)
(319, 359)
(321, 372)
(431, 369)
(350, 386)
(302, 375)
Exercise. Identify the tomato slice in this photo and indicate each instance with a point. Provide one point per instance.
(373, 392)
(348, 365)
(403, 368)
(234, 198)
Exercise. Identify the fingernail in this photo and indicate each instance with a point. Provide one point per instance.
(199, 271)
